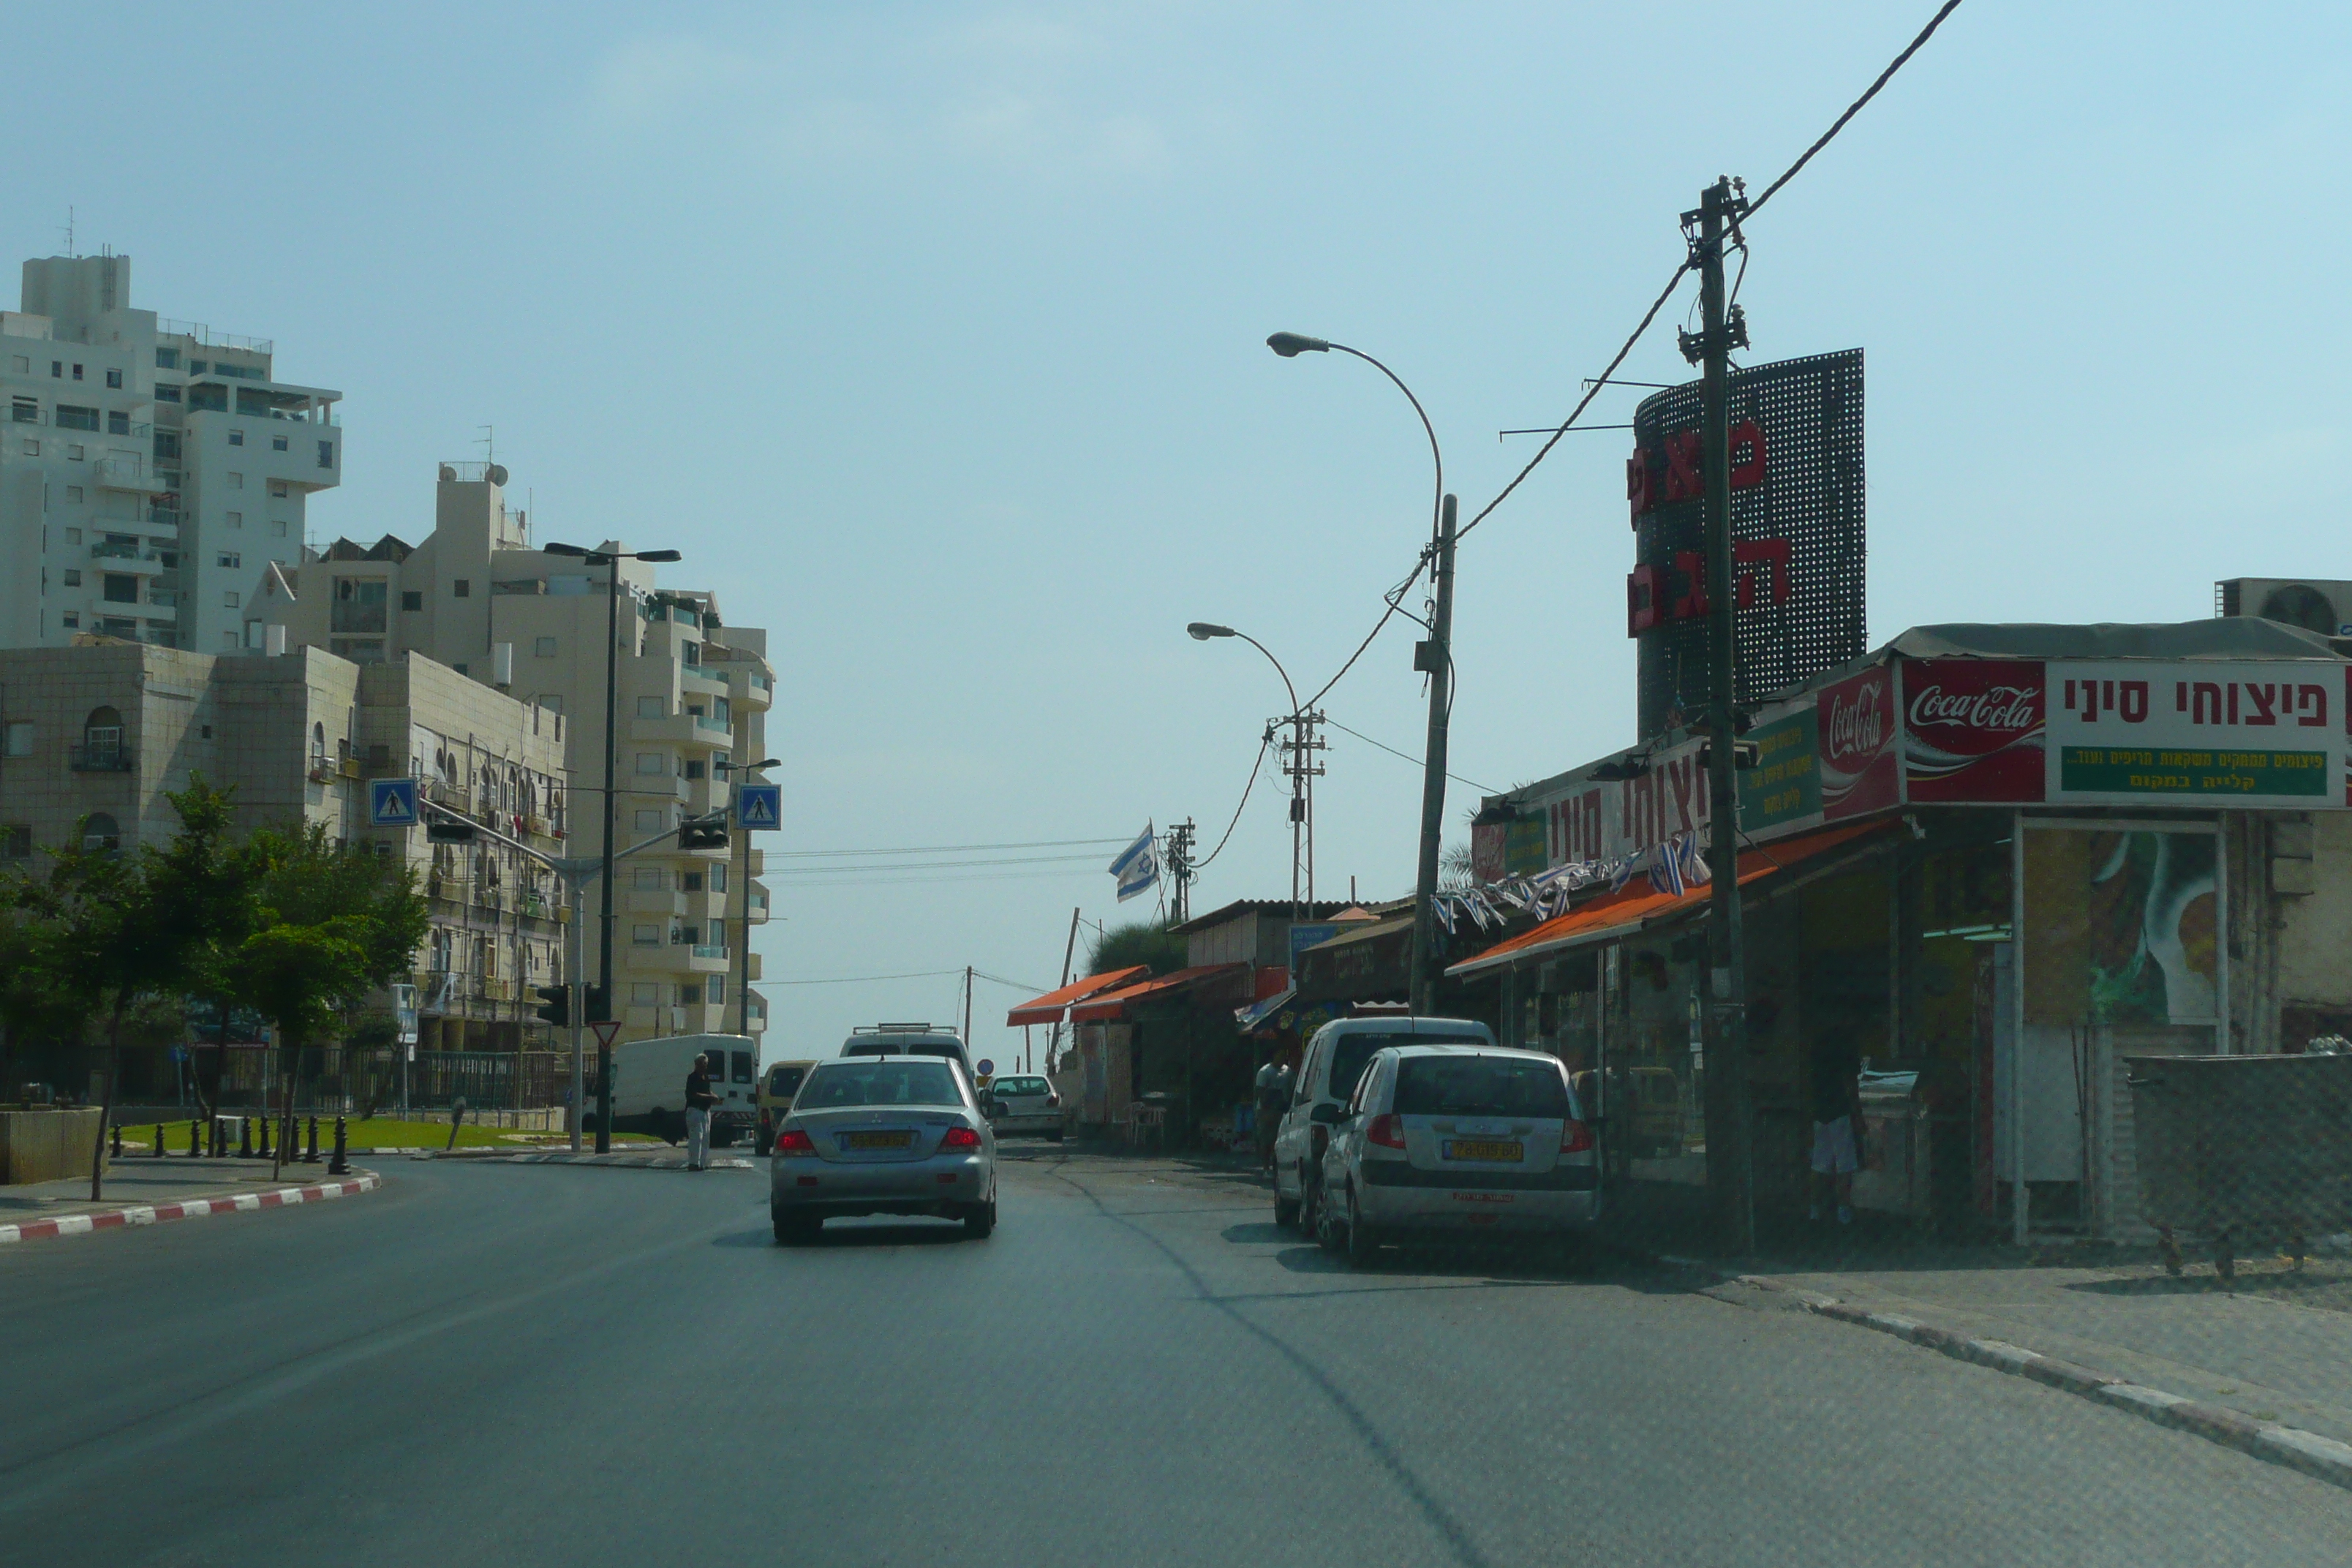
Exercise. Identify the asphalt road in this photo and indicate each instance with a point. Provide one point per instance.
(578, 1365)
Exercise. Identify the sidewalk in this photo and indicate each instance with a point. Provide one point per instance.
(2272, 1347)
(141, 1190)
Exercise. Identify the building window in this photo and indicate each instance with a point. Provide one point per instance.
(231, 559)
(57, 369)
(650, 822)
(16, 841)
(101, 740)
(16, 741)
(644, 936)
(70, 418)
(716, 985)
(167, 359)
(236, 438)
(412, 599)
(69, 620)
(77, 376)
(688, 993)
(278, 487)
(237, 482)
(20, 364)
(100, 835)
(166, 393)
(651, 763)
(645, 992)
(358, 605)
(118, 423)
(462, 588)
(167, 446)
(543, 648)
(325, 454)
(696, 769)
(73, 578)
(277, 527)
(198, 367)
(718, 877)
(690, 881)
(114, 379)
(27, 411)
(120, 588)
(652, 708)
(228, 600)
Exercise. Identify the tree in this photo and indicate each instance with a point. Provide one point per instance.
(1123, 946)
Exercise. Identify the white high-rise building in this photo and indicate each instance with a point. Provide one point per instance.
(149, 469)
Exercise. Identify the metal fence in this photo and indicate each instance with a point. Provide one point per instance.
(349, 1081)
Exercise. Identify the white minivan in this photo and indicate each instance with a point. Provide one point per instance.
(1333, 1061)
(649, 1085)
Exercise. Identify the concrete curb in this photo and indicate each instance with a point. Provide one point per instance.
(666, 1160)
(196, 1208)
(2322, 1458)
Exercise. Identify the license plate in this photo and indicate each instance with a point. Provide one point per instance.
(877, 1141)
(1508, 1149)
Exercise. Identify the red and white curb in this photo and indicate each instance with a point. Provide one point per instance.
(195, 1208)
(2313, 1455)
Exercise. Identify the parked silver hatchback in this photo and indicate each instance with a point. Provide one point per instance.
(1022, 1103)
(1463, 1140)
(897, 1134)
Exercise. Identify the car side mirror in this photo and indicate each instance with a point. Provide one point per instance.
(1324, 1114)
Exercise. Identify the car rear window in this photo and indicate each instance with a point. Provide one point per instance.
(1481, 1086)
(1349, 1054)
(783, 1080)
(879, 1082)
(1020, 1086)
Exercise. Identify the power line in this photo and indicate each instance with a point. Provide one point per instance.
(941, 864)
(943, 849)
(1255, 768)
(1855, 107)
(863, 979)
(1395, 597)
(1416, 762)
(1016, 984)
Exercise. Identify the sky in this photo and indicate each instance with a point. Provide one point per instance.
(933, 336)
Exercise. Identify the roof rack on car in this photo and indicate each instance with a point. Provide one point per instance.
(901, 1029)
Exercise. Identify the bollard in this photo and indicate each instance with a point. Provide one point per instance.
(312, 1157)
(245, 1137)
(263, 1153)
(159, 1139)
(195, 1139)
(340, 1165)
(118, 1141)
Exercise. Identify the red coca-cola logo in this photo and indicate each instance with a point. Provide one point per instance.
(2011, 708)
(1857, 728)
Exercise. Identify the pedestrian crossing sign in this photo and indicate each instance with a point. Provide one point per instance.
(391, 803)
(758, 806)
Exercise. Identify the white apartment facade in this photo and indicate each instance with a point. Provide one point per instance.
(148, 467)
(692, 693)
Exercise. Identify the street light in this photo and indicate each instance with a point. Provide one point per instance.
(743, 874)
(1434, 658)
(1302, 788)
(612, 558)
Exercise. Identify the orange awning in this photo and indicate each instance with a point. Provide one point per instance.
(1048, 1008)
(1115, 1003)
(1638, 904)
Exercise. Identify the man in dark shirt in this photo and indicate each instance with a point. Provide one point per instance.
(1836, 1070)
(699, 1097)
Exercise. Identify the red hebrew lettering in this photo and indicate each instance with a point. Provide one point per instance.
(1754, 551)
(2263, 696)
(1683, 478)
(1693, 603)
(1643, 600)
(2133, 701)
(2232, 687)
(1639, 497)
(2181, 696)
(2311, 702)
(2202, 693)
(1750, 470)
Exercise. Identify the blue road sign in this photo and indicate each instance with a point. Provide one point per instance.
(391, 803)
(759, 804)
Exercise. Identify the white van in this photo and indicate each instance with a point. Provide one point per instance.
(907, 1040)
(1334, 1060)
(649, 1085)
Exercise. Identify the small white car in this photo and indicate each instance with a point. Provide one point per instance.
(1019, 1103)
(1458, 1139)
(1334, 1057)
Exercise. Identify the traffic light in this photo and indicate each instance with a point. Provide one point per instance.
(442, 830)
(702, 833)
(555, 1005)
(592, 1003)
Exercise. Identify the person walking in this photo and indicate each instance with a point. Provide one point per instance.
(1273, 1098)
(1837, 1121)
(699, 1097)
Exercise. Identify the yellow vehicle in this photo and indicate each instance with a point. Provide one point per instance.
(778, 1084)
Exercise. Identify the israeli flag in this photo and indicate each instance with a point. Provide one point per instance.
(1138, 867)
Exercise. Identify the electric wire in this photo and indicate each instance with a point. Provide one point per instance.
(944, 848)
(1856, 107)
(1257, 768)
(846, 868)
(1416, 762)
(864, 979)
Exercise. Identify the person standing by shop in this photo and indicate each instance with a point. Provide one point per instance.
(1836, 1074)
(1272, 1100)
(699, 1097)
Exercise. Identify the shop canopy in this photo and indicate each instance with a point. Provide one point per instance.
(1115, 1005)
(1050, 1007)
(1638, 906)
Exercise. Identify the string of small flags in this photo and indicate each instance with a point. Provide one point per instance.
(1673, 867)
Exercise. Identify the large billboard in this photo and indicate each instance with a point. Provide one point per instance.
(1796, 527)
(1972, 729)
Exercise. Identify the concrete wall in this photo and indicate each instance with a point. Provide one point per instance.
(45, 1145)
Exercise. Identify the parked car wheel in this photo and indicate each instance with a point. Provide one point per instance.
(1363, 1240)
(794, 1230)
(1286, 1212)
(1310, 1213)
(980, 1220)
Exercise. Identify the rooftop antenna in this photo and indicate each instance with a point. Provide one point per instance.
(69, 231)
(488, 442)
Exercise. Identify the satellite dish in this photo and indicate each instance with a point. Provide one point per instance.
(448, 475)
(495, 473)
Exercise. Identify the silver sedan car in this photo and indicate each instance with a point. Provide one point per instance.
(1023, 1102)
(899, 1135)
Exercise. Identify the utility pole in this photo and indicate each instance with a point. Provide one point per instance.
(1069, 950)
(1299, 760)
(611, 813)
(1433, 659)
(1180, 872)
(1730, 1165)
(967, 1006)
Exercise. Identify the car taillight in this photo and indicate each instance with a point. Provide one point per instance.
(1052, 1100)
(1575, 1138)
(957, 1138)
(1387, 1130)
(793, 1140)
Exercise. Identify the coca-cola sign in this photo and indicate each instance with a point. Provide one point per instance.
(1973, 729)
(1856, 717)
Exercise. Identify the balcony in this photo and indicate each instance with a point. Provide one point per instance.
(125, 474)
(675, 958)
(705, 679)
(102, 757)
(680, 730)
(657, 902)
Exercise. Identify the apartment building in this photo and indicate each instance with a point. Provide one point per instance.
(148, 466)
(692, 697)
(94, 735)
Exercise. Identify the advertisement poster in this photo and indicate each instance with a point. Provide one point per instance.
(1858, 763)
(2132, 731)
(2120, 928)
(1784, 788)
(1973, 729)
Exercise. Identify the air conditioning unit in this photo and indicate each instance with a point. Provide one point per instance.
(2317, 606)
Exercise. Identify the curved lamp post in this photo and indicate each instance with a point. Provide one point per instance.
(1434, 658)
(1302, 788)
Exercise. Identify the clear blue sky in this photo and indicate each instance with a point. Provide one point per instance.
(932, 334)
